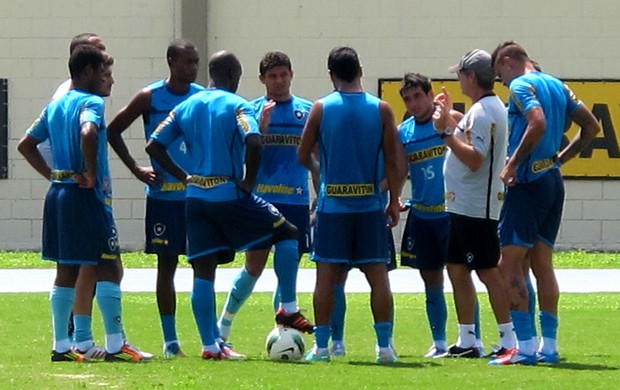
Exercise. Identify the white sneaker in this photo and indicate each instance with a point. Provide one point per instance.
(94, 353)
(338, 349)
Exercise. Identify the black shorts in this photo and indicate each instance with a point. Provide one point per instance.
(473, 242)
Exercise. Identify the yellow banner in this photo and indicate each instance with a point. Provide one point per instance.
(600, 160)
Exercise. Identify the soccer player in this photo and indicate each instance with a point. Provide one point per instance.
(477, 150)
(78, 227)
(351, 129)
(165, 195)
(538, 110)
(220, 132)
(425, 238)
(283, 182)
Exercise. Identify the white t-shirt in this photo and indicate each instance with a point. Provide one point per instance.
(479, 194)
(44, 147)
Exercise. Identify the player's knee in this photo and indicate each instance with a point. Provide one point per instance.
(288, 231)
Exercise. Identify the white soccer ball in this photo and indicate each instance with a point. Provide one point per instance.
(285, 344)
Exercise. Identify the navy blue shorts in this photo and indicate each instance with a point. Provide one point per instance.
(298, 215)
(242, 224)
(425, 242)
(473, 242)
(533, 211)
(77, 227)
(164, 227)
(351, 238)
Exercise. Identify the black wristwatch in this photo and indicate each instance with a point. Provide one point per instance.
(446, 133)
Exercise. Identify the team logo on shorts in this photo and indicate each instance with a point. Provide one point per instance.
(410, 244)
(112, 244)
(159, 229)
(469, 257)
(299, 114)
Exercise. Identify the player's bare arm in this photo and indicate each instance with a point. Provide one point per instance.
(158, 152)
(536, 124)
(393, 163)
(253, 149)
(309, 138)
(584, 118)
(138, 106)
(27, 146)
(89, 136)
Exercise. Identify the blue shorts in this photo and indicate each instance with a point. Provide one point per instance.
(77, 227)
(242, 224)
(351, 238)
(425, 242)
(473, 242)
(298, 215)
(164, 227)
(533, 211)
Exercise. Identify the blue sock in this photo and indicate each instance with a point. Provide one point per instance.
(548, 325)
(384, 333)
(204, 311)
(242, 288)
(168, 325)
(277, 298)
(109, 300)
(338, 312)
(437, 312)
(83, 328)
(531, 303)
(61, 302)
(477, 320)
(522, 325)
(321, 335)
(285, 264)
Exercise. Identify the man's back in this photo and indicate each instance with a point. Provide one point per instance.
(351, 137)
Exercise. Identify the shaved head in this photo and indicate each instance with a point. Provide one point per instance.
(225, 70)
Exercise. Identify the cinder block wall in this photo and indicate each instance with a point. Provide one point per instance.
(571, 39)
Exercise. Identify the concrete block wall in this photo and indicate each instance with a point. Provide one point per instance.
(570, 38)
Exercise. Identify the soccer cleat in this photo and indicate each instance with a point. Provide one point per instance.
(94, 353)
(496, 351)
(208, 355)
(553, 358)
(458, 352)
(513, 356)
(294, 320)
(71, 355)
(434, 352)
(145, 355)
(386, 356)
(230, 353)
(172, 350)
(338, 349)
(127, 353)
(318, 355)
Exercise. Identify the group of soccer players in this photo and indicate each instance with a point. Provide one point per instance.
(229, 175)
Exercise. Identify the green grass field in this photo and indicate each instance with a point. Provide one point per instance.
(573, 259)
(590, 360)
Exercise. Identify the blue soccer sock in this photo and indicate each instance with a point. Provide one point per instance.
(531, 302)
(204, 312)
(168, 326)
(437, 313)
(83, 333)
(338, 312)
(285, 264)
(277, 298)
(242, 288)
(384, 333)
(523, 330)
(549, 331)
(321, 335)
(108, 296)
(61, 302)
